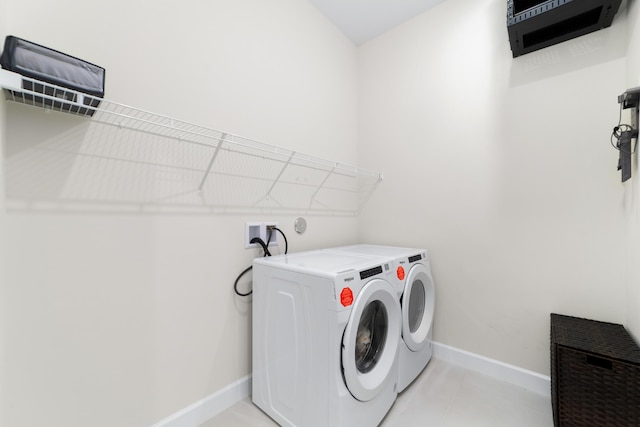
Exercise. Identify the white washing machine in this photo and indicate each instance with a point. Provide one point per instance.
(326, 331)
(416, 289)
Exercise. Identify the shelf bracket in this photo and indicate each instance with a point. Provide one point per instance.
(326, 178)
(281, 173)
(213, 158)
(370, 192)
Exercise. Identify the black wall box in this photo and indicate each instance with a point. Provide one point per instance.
(535, 24)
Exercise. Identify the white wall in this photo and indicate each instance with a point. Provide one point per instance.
(3, 237)
(121, 317)
(632, 196)
(502, 168)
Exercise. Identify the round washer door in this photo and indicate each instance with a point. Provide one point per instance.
(417, 307)
(370, 341)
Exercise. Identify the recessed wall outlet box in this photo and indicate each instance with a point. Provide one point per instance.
(263, 230)
(252, 229)
(536, 24)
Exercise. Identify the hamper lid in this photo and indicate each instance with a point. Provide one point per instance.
(607, 339)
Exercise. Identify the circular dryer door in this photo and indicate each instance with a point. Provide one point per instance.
(370, 342)
(417, 307)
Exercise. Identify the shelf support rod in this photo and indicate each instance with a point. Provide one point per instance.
(213, 158)
(370, 192)
(281, 173)
(326, 178)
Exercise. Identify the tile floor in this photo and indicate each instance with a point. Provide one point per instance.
(445, 395)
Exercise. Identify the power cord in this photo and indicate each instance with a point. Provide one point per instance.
(286, 244)
(235, 284)
(618, 130)
(266, 253)
(617, 134)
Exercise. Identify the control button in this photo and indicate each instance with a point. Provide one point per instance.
(400, 273)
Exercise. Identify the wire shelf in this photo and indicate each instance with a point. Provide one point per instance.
(159, 160)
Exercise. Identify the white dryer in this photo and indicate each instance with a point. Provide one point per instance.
(416, 289)
(326, 331)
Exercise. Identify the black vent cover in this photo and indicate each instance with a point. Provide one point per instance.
(534, 25)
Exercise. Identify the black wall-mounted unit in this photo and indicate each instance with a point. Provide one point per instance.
(48, 72)
(535, 24)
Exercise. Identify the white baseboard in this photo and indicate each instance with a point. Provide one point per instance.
(524, 378)
(203, 410)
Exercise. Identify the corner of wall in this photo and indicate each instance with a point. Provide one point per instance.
(2, 229)
(633, 191)
(2, 251)
(633, 44)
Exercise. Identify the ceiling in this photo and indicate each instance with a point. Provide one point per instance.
(362, 20)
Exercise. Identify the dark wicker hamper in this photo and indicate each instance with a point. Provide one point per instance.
(595, 374)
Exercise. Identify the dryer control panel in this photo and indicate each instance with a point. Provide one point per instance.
(349, 283)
